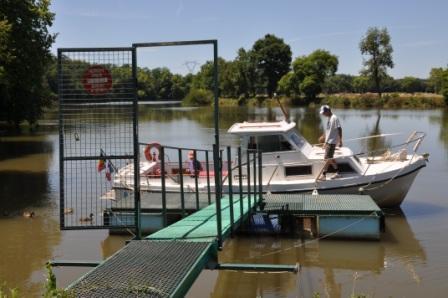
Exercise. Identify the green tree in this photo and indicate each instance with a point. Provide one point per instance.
(272, 57)
(435, 81)
(311, 71)
(411, 85)
(338, 83)
(246, 73)
(376, 45)
(26, 42)
(288, 85)
(362, 84)
(444, 89)
(204, 78)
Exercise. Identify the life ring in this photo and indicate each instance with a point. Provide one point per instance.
(147, 151)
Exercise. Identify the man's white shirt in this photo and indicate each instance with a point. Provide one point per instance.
(331, 133)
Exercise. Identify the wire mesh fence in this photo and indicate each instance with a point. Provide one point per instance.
(97, 134)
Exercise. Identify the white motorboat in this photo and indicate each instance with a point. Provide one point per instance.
(290, 164)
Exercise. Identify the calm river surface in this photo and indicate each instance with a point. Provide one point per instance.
(411, 260)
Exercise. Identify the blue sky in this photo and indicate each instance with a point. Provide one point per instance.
(419, 29)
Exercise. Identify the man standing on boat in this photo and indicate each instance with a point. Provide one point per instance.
(331, 138)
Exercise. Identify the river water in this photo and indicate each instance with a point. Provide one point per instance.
(411, 259)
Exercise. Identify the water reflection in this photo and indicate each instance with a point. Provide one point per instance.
(24, 163)
(29, 176)
(398, 245)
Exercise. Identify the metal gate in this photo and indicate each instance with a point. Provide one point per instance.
(98, 137)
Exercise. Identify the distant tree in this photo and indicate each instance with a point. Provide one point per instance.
(229, 79)
(444, 89)
(311, 71)
(435, 81)
(411, 84)
(338, 83)
(362, 84)
(376, 44)
(389, 84)
(5, 55)
(273, 59)
(246, 73)
(288, 85)
(26, 42)
(204, 78)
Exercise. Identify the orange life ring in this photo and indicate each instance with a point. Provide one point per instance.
(147, 151)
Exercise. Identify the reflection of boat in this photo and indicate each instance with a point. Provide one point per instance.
(292, 164)
(328, 261)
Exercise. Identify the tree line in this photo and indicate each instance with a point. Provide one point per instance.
(28, 71)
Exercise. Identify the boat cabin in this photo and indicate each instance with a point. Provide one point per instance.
(284, 147)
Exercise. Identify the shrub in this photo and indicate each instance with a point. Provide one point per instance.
(198, 97)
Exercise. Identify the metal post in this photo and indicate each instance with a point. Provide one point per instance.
(248, 179)
(255, 178)
(162, 177)
(216, 93)
(240, 181)
(136, 148)
(260, 176)
(229, 176)
(196, 174)
(218, 194)
(181, 182)
(61, 144)
(216, 158)
(207, 166)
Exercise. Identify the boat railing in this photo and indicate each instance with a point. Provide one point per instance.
(385, 153)
(236, 172)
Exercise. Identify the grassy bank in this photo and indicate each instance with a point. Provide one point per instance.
(387, 101)
(350, 100)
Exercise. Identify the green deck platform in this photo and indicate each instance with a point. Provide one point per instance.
(336, 216)
(202, 225)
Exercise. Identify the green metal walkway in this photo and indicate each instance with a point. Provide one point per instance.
(201, 225)
(167, 262)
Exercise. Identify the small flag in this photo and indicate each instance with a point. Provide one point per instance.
(101, 163)
(109, 170)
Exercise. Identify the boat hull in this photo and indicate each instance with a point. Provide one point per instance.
(387, 193)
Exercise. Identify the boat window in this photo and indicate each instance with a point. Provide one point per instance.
(343, 167)
(273, 143)
(299, 170)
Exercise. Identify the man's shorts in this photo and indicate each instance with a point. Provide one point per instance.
(329, 151)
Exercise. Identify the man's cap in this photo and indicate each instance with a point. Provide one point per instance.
(325, 108)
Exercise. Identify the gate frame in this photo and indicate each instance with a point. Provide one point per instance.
(62, 158)
(217, 160)
(136, 153)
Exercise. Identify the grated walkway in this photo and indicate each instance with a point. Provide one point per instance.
(320, 204)
(146, 269)
(167, 262)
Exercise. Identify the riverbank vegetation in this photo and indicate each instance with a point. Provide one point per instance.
(256, 76)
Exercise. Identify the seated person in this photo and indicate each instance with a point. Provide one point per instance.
(194, 166)
(252, 144)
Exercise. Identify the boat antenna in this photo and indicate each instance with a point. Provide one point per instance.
(285, 114)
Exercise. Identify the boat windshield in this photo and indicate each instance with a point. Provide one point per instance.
(301, 143)
(269, 143)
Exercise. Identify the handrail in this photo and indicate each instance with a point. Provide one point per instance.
(411, 139)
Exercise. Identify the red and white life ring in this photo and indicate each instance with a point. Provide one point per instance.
(152, 156)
